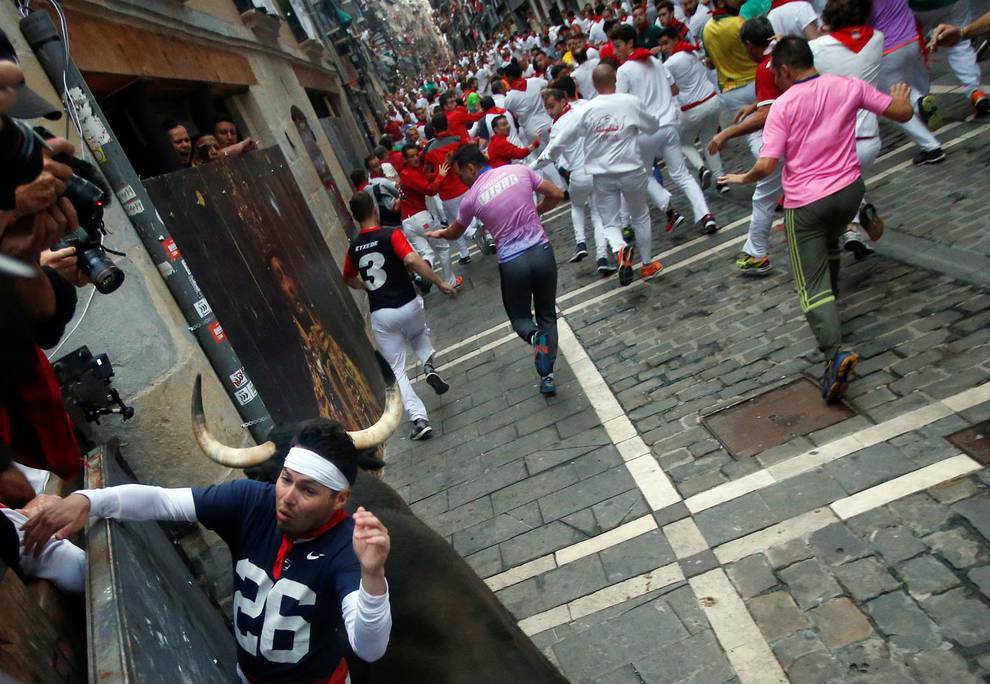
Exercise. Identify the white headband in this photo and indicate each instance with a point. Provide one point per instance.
(311, 464)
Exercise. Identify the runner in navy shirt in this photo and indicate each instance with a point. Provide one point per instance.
(301, 564)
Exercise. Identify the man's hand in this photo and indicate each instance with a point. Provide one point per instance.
(39, 504)
(447, 289)
(27, 237)
(239, 148)
(61, 520)
(732, 179)
(44, 190)
(715, 144)
(66, 263)
(10, 75)
(743, 112)
(444, 169)
(901, 91)
(371, 546)
(436, 234)
(945, 34)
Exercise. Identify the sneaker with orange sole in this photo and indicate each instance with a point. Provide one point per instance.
(651, 270)
(981, 103)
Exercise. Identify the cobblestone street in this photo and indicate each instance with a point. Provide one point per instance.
(635, 542)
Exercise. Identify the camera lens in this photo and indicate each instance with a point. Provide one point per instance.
(104, 273)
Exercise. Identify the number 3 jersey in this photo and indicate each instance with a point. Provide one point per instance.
(286, 628)
(376, 255)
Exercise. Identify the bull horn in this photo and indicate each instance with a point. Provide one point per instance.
(232, 457)
(391, 417)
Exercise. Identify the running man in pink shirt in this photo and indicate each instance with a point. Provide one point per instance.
(811, 128)
(502, 199)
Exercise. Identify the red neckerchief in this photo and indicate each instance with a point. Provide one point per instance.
(639, 54)
(777, 3)
(496, 110)
(683, 46)
(563, 111)
(719, 12)
(288, 542)
(518, 84)
(854, 37)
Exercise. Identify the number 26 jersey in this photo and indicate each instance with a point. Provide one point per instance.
(376, 256)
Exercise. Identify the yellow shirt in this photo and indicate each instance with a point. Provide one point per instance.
(724, 47)
(568, 58)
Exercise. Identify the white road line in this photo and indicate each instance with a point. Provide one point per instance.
(569, 554)
(891, 490)
(649, 477)
(781, 533)
(685, 538)
(604, 598)
(744, 645)
(840, 448)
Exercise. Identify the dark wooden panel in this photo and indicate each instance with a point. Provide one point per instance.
(257, 254)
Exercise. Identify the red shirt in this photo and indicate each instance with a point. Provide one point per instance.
(458, 120)
(766, 88)
(395, 159)
(452, 186)
(502, 152)
(416, 185)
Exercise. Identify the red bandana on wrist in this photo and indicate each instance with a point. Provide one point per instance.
(288, 542)
(854, 37)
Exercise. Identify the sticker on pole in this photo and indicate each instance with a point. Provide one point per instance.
(134, 208)
(246, 394)
(93, 130)
(239, 379)
(172, 249)
(217, 332)
(202, 307)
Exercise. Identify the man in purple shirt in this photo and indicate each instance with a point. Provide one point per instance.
(502, 199)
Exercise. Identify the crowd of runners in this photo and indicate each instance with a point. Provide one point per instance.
(613, 105)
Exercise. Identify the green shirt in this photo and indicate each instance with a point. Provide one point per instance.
(649, 38)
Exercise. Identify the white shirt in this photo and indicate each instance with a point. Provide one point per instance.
(582, 77)
(528, 107)
(610, 126)
(696, 25)
(483, 75)
(832, 57)
(597, 33)
(690, 76)
(573, 151)
(390, 173)
(647, 80)
(792, 18)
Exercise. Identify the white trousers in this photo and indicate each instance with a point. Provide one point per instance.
(666, 142)
(393, 328)
(61, 562)
(437, 252)
(962, 57)
(701, 123)
(732, 100)
(765, 198)
(907, 65)
(610, 190)
(582, 196)
(867, 150)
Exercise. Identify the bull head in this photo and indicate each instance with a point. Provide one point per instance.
(246, 457)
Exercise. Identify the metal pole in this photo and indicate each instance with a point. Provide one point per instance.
(40, 33)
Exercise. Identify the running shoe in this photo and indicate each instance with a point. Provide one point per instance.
(466, 259)
(708, 225)
(579, 253)
(651, 270)
(625, 265)
(423, 284)
(935, 156)
(723, 189)
(490, 247)
(928, 111)
(871, 221)
(547, 386)
(458, 281)
(751, 265)
(837, 375)
(541, 353)
(434, 380)
(421, 430)
(981, 104)
(674, 220)
(605, 267)
(628, 234)
(852, 242)
(705, 177)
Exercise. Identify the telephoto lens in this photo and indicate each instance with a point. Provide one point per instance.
(21, 158)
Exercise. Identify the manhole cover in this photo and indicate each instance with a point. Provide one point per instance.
(773, 418)
(974, 442)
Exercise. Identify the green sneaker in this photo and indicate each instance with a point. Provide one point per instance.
(929, 113)
(751, 265)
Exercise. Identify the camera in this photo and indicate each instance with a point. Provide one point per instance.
(21, 158)
(88, 196)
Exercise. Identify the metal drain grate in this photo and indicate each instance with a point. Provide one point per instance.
(974, 442)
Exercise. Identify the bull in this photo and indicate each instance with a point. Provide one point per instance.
(448, 626)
